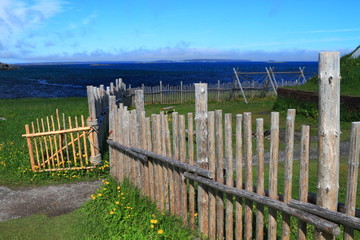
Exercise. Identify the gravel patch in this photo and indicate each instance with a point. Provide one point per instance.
(50, 200)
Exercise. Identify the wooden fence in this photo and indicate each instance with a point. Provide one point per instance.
(206, 178)
(98, 104)
(60, 143)
(166, 94)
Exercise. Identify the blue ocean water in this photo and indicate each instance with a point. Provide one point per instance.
(70, 80)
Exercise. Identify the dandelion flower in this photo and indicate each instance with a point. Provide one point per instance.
(117, 202)
(152, 226)
(105, 188)
(103, 180)
(195, 214)
(118, 187)
(99, 194)
(153, 221)
(106, 182)
(111, 212)
(160, 231)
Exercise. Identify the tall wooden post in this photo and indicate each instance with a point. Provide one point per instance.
(329, 133)
(201, 120)
(139, 102)
(93, 121)
(181, 92)
(161, 92)
(352, 177)
(112, 129)
(31, 153)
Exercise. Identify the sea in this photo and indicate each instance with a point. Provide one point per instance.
(70, 80)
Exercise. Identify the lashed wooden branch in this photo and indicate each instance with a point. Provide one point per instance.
(318, 222)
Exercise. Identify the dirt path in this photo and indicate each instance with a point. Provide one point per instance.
(50, 200)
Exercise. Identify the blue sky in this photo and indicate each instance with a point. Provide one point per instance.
(121, 30)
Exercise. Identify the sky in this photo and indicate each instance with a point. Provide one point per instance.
(146, 30)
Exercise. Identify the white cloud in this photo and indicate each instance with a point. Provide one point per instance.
(90, 19)
(18, 16)
(178, 52)
(329, 30)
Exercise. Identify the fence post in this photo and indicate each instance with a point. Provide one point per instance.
(112, 129)
(352, 177)
(31, 153)
(161, 92)
(329, 133)
(181, 92)
(139, 101)
(93, 121)
(201, 111)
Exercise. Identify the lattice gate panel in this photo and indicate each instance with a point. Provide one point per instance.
(60, 143)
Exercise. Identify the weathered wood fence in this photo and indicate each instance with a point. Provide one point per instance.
(166, 94)
(208, 179)
(98, 104)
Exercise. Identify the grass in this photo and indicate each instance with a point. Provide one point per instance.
(42, 227)
(350, 81)
(14, 157)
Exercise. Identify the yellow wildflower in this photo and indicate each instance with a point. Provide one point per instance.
(106, 182)
(160, 231)
(111, 212)
(195, 214)
(105, 188)
(118, 187)
(99, 194)
(152, 226)
(117, 202)
(153, 221)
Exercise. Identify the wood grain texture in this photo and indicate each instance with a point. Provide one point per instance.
(329, 132)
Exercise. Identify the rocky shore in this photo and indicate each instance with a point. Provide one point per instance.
(5, 66)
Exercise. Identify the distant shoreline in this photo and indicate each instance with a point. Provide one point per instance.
(5, 66)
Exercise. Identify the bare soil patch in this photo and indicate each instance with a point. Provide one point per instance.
(50, 200)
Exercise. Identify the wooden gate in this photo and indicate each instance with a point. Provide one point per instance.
(57, 144)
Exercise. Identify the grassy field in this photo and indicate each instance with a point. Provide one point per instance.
(349, 72)
(15, 171)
